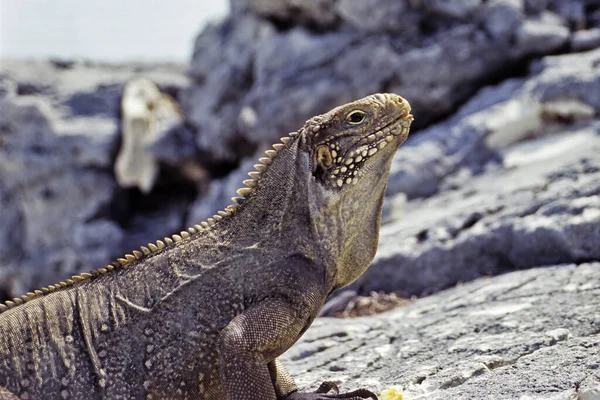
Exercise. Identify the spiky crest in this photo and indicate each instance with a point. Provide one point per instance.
(154, 248)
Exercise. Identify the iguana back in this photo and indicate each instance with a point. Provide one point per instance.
(206, 313)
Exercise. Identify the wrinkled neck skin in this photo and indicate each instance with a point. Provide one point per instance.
(346, 223)
(290, 210)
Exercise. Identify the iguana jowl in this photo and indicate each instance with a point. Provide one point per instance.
(205, 315)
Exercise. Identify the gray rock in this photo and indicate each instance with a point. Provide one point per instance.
(378, 16)
(561, 88)
(573, 11)
(271, 65)
(7, 88)
(320, 12)
(594, 19)
(524, 335)
(542, 36)
(589, 394)
(11, 233)
(174, 145)
(221, 67)
(536, 6)
(543, 210)
(452, 8)
(59, 129)
(585, 40)
(501, 18)
(219, 193)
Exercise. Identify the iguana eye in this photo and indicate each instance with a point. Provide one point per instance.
(324, 156)
(355, 117)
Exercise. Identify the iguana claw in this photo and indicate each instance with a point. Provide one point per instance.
(329, 390)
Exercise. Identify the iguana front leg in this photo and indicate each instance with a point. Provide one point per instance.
(250, 343)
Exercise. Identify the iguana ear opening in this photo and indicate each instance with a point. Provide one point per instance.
(324, 157)
(321, 163)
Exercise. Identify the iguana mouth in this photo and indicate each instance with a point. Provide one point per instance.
(379, 140)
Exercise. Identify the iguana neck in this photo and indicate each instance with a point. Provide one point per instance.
(276, 209)
(288, 210)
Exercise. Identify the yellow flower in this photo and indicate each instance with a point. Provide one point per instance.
(392, 393)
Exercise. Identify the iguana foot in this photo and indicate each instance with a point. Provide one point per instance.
(329, 390)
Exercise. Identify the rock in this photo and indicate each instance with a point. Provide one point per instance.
(11, 237)
(527, 334)
(544, 211)
(585, 40)
(219, 193)
(222, 66)
(561, 88)
(53, 181)
(589, 394)
(377, 16)
(146, 115)
(317, 11)
(573, 12)
(174, 143)
(535, 6)
(542, 36)
(61, 206)
(7, 88)
(502, 18)
(593, 19)
(452, 8)
(271, 65)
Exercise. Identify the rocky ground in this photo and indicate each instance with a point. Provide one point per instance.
(501, 174)
(531, 334)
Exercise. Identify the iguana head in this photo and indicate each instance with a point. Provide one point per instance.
(345, 142)
(350, 150)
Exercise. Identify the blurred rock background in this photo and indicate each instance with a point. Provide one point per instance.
(501, 172)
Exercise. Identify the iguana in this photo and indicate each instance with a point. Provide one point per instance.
(206, 314)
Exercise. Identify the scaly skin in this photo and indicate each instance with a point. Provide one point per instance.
(206, 315)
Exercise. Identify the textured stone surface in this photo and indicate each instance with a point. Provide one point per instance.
(560, 92)
(586, 39)
(271, 65)
(59, 132)
(524, 335)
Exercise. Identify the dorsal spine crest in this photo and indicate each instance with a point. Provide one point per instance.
(153, 248)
